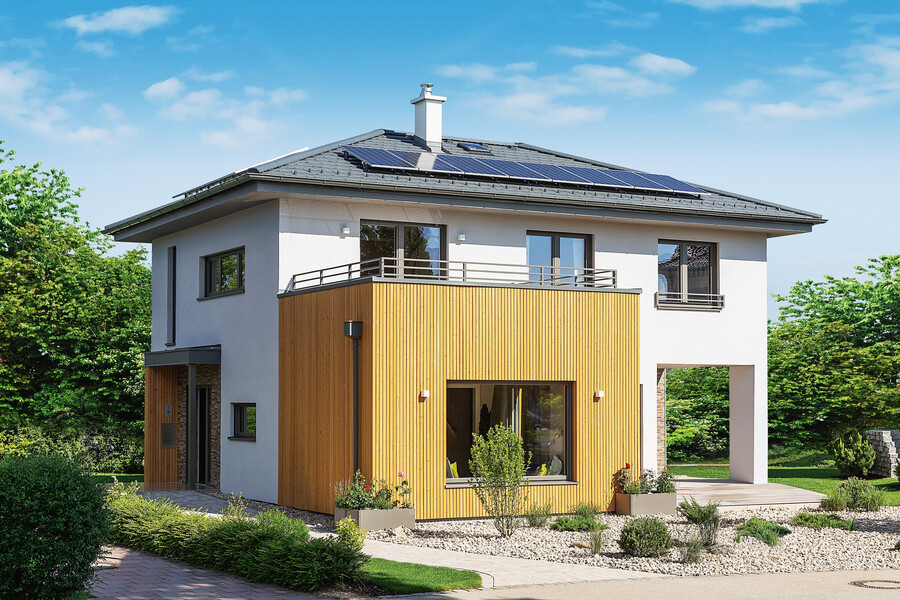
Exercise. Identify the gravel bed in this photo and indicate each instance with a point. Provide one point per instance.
(869, 546)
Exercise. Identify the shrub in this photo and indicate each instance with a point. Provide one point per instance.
(819, 520)
(269, 548)
(645, 536)
(705, 516)
(692, 549)
(498, 476)
(52, 526)
(595, 540)
(538, 515)
(587, 510)
(897, 546)
(358, 494)
(853, 455)
(94, 451)
(579, 523)
(764, 531)
(350, 534)
(665, 483)
(854, 494)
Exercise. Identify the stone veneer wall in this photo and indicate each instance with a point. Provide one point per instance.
(886, 442)
(208, 375)
(661, 461)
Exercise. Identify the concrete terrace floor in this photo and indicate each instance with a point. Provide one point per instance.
(734, 495)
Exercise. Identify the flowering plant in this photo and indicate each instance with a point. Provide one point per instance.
(403, 491)
(647, 482)
(359, 493)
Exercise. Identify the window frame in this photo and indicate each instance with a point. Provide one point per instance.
(568, 478)
(239, 422)
(555, 258)
(208, 280)
(714, 302)
(399, 246)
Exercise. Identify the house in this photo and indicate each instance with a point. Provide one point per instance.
(373, 302)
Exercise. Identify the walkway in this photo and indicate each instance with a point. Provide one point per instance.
(734, 495)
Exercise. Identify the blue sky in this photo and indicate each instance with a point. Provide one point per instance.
(791, 101)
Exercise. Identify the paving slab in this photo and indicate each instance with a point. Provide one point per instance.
(740, 495)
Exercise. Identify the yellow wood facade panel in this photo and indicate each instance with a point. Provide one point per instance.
(420, 337)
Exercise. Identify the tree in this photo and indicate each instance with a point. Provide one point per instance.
(74, 320)
(697, 413)
(498, 476)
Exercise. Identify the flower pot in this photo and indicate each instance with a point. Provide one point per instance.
(645, 504)
(373, 519)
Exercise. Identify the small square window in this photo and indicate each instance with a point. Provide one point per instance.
(244, 421)
(224, 273)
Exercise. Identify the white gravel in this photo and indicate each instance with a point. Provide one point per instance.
(869, 546)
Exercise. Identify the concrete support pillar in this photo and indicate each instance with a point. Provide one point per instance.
(748, 424)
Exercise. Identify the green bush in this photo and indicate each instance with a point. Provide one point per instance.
(764, 531)
(853, 455)
(588, 510)
(665, 483)
(358, 493)
(94, 451)
(705, 516)
(578, 523)
(854, 494)
(538, 515)
(52, 526)
(645, 536)
(498, 476)
(819, 520)
(692, 549)
(350, 533)
(270, 548)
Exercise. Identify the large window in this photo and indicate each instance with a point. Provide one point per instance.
(687, 274)
(539, 412)
(557, 258)
(224, 273)
(416, 248)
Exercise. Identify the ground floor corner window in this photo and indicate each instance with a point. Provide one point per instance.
(539, 412)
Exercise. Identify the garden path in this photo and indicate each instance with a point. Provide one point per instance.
(738, 495)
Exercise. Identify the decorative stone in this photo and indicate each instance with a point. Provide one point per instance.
(373, 519)
(584, 545)
(645, 504)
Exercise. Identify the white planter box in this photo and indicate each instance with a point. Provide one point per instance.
(373, 519)
(645, 504)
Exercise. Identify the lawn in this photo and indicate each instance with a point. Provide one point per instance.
(122, 477)
(411, 578)
(822, 479)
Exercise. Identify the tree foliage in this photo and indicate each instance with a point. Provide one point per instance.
(697, 413)
(74, 320)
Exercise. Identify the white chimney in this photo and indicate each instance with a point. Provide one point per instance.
(428, 118)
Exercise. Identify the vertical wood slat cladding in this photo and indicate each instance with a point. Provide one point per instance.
(419, 337)
(315, 373)
(160, 388)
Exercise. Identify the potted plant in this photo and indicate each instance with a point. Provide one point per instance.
(373, 505)
(648, 494)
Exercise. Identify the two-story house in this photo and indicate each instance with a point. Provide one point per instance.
(374, 302)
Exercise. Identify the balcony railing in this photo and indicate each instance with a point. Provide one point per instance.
(689, 300)
(457, 272)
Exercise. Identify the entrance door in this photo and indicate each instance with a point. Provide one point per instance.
(203, 434)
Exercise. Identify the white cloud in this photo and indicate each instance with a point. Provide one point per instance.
(191, 41)
(612, 49)
(662, 65)
(804, 72)
(283, 96)
(747, 87)
(616, 80)
(128, 19)
(101, 49)
(473, 72)
(27, 101)
(777, 4)
(161, 90)
(522, 66)
(201, 103)
(767, 24)
(198, 75)
(537, 107)
(110, 112)
(722, 106)
(616, 15)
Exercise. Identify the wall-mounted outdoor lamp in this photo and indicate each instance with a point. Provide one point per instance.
(598, 395)
(460, 237)
(345, 231)
(424, 395)
(354, 331)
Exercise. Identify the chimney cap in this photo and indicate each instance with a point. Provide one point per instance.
(426, 94)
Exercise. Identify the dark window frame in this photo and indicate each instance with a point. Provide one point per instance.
(171, 294)
(555, 249)
(715, 301)
(239, 427)
(569, 477)
(399, 246)
(212, 273)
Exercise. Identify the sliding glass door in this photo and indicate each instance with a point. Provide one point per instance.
(557, 258)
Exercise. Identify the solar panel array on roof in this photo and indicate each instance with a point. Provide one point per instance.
(491, 167)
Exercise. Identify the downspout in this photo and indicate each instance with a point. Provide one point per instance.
(353, 330)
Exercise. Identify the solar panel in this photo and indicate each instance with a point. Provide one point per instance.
(475, 166)
(491, 167)
(636, 180)
(674, 184)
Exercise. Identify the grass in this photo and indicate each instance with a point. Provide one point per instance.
(411, 578)
(765, 531)
(819, 520)
(822, 479)
(122, 477)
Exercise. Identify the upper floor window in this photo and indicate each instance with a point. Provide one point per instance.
(557, 258)
(224, 273)
(413, 250)
(688, 275)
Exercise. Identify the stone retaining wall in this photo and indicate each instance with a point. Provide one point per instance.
(885, 442)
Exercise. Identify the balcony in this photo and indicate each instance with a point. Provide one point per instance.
(689, 301)
(454, 271)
